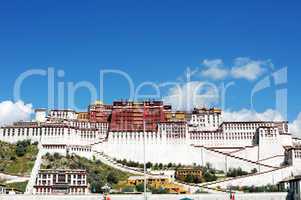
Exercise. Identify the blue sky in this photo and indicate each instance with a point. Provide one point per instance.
(151, 41)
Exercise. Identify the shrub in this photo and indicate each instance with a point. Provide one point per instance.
(96, 186)
(112, 178)
(189, 178)
(21, 147)
(56, 156)
(128, 189)
(236, 172)
(208, 176)
(160, 166)
(140, 187)
(254, 171)
(148, 165)
(20, 150)
(159, 190)
(49, 166)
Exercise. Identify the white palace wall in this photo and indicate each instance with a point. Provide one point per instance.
(130, 146)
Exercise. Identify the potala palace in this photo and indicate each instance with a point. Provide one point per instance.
(201, 136)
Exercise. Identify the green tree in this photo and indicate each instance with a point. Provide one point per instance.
(169, 165)
(148, 165)
(233, 172)
(21, 147)
(140, 187)
(128, 189)
(160, 166)
(254, 171)
(56, 156)
(20, 150)
(96, 186)
(112, 178)
(189, 178)
(160, 190)
(208, 176)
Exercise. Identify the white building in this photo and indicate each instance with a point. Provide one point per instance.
(61, 181)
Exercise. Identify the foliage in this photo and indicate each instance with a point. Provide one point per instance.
(153, 166)
(128, 189)
(200, 191)
(148, 165)
(251, 189)
(130, 163)
(159, 190)
(192, 179)
(189, 178)
(234, 172)
(209, 173)
(209, 176)
(21, 147)
(21, 186)
(112, 178)
(254, 171)
(17, 159)
(140, 187)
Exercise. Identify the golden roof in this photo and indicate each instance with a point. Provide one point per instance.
(98, 102)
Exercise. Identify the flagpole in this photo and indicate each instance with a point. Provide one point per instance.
(144, 155)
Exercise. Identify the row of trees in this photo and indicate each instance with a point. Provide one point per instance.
(234, 172)
(153, 166)
(251, 189)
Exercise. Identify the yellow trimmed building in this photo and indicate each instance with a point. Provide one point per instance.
(158, 181)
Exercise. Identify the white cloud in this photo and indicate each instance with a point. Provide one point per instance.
(11, 112)
(213, 63)
(246, 68)
(295, 126)
(191, 94)
(242, 68)
(214, 69)
(249, 115)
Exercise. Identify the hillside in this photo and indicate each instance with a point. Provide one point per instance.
(98, 173)
(17, 159)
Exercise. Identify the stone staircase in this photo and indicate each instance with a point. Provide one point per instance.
(34, 171)
(110, 162)
(239, 158)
